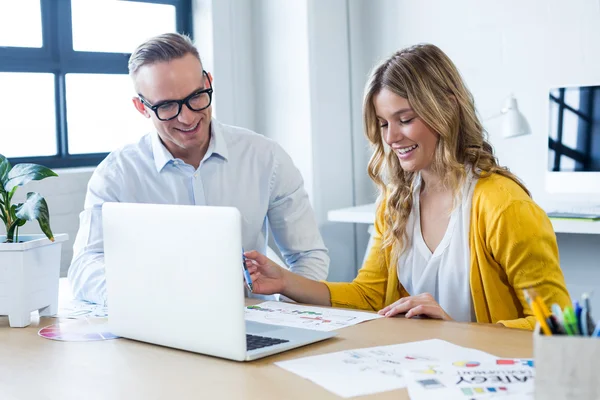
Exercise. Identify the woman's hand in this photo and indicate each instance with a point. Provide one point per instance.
(267, 277)
(423, 304)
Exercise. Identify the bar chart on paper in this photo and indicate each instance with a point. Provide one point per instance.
(298, 316)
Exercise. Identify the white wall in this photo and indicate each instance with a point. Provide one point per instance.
(222, 32)
(281, 75)
(297, 55)
(523, 47)
(331, 129)
(302, 98)
(364, 53)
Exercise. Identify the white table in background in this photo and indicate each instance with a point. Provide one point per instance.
(365, 214)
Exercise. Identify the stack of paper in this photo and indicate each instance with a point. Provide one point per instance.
(378, 369)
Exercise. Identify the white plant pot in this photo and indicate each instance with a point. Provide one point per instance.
(29, 274)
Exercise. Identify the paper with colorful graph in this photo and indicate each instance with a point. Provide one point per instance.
(298, 316)
(472, 378)
(377, 369)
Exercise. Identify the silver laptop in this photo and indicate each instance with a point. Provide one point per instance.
(174, 278)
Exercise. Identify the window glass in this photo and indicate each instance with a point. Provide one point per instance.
(20, 23)
(100, 114)
(27, 115)
(118, 26)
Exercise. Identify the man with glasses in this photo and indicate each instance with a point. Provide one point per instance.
(193, 159)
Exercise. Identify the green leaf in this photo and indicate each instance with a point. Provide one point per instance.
(4, 213)
(12, 193)
(21, 174)
(35, 207)
(4, 169)
(13, 211)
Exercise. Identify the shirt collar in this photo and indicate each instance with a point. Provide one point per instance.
(217, 146)
(160, 152)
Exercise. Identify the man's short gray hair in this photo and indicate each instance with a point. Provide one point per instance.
(161, 48)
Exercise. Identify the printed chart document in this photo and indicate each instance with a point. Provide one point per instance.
(298, 316)
(76, 309)
(376, 369)
(473, 378)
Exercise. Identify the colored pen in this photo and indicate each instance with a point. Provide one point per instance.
(246, 273)
(596, 332)
(578, 310)
(570, 321)
(539, 315)
(557, 313)
(583, 321)
(555, 326)
(542, 305)
(585, 299)
(548, 317)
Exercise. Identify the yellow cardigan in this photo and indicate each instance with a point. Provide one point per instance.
(513, 247)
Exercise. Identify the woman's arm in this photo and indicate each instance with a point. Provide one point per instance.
(268, 278)
(523, 242)
(366, 292)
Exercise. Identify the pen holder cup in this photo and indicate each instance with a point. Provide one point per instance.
(566, 367)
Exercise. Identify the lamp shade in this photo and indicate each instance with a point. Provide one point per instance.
(513, 123)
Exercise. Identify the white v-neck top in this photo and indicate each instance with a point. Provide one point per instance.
(445, 272)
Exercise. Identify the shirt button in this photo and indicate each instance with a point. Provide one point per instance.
(195, 175)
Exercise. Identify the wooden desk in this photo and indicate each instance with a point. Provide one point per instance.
(35, 368)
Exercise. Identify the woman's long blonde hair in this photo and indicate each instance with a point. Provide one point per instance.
(429, 80)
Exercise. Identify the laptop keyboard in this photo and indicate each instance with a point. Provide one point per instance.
(254, 342)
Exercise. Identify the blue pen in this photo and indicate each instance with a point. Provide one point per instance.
(578, 314)
(246, 273)
(596, 332)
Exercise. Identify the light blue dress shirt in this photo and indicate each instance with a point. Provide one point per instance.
(240, 169)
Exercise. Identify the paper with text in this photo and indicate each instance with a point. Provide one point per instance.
(376, 369)
(472, 378)
(298, 316)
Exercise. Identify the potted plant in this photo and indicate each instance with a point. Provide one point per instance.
(29, 264)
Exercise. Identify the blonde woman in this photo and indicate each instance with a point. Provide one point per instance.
(457, 237)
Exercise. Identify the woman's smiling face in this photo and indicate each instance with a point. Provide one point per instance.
(412, 141)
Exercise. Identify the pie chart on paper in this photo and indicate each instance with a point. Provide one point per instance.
(80, 331)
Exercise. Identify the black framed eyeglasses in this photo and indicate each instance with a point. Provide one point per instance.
(170, 109)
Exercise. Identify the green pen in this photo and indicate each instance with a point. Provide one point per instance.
(570, 321)
(568, 329)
